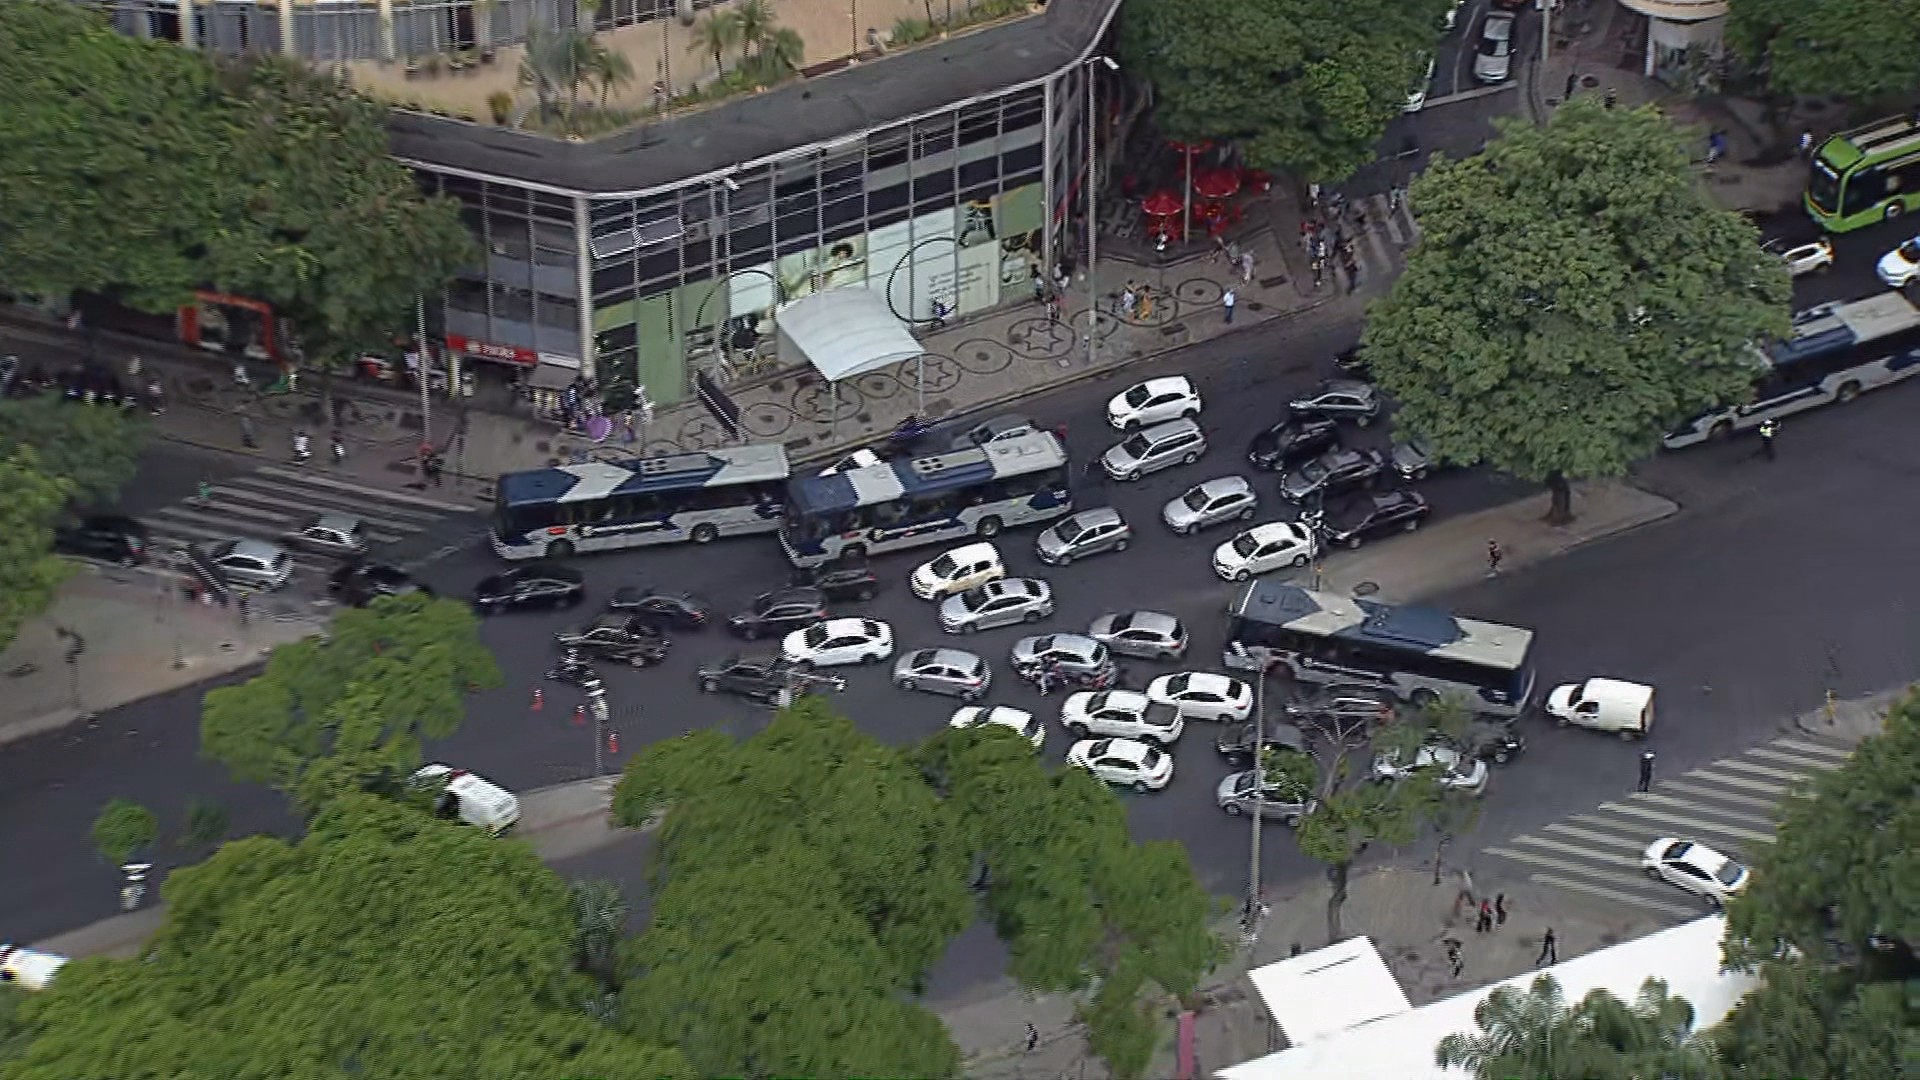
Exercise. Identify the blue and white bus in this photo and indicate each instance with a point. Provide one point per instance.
(603, 506)
(925, 500)
(1418, 654)
(1835, 353)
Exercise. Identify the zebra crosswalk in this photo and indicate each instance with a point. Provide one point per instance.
(1729, 805)
(271, 501)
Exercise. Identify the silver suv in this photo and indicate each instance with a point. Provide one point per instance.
(1176, 442)
(1080, 658)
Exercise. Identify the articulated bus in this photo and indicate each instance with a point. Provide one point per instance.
(1835, 353)
(607, 506)
(1865, 176)
(914, 501)
(1418, 654)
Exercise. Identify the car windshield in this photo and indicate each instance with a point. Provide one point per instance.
(1195, 499)
(1161, 716)
(1150, 760)
(1138, 396)
(1068, 531)
(1910, 250)
(1245, 545)
(816, 635)
(1136, 447)
(1313, 472)
(1178, 684)
(1494, 47)
(1730, 873)
(975, 598)
(944, 566)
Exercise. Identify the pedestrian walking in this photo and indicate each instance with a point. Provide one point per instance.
(1612, 98)
(1646, 770)
(1033, 1036)
(1806, 144)
(1233, 253)
(247, 437)
(1395, 196)
(1053, 309)
(1353, 274)
(1129, 300)
(1246, 268)
(1227, 300)
(1573, 83)
(1500, 910)
(1549, 950)
(1144, 303)
(1453, 955)
(1768, 429)
(1039, 287)
(1494, 555)
(1484, 924)
(1313, 196)
(1716, 146)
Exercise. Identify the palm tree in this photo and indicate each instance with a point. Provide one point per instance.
(781, 51)
(717, 33)
(555, 61)
(599, 917)
(611, 69)
(1535, 1033)
(756, 22)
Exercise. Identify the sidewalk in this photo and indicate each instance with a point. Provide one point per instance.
(142, 638)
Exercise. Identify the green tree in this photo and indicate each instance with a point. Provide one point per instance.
(716, 34)
(610, 68)
(1304, 86)
(1816, 1021)
(349, 713)
(384, 943)
(1865, 50)
(1575, 294)
(29, 572)
(123, 828)
(1536, 1033)
(207, 824)
(109, 167)
(96, 451)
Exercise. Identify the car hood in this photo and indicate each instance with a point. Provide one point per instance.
(1894, 263)
(1117, 456)
(1560, 702)
(1266, 445)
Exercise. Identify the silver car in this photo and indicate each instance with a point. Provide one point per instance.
(332, 534)
(1412, 458)
(943, 671)
(1274, 802)
(1088, 532)
(997, 603)
(1150, 635)
(1494, 61)
(1080, 658)
(254, 563)
(1224, 499)
(1009, 426)
(1176, 442)
(1339, 399)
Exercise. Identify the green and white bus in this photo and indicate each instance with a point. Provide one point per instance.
(1865, 176)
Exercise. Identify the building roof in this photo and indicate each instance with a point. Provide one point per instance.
(1330, 990)
(1401, 1045)
(716, 140)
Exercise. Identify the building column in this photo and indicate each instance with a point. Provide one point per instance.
(1047, 260)
(287, 45)
(189, 36)
(1652, 50)
(386, 30)
(583, 256)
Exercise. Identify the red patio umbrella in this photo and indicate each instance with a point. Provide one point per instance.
(1161, 204)
(1217, 184)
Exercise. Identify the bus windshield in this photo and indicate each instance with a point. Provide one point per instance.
(1823, 187)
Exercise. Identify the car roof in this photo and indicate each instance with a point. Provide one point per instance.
(1343, 386)
(1224, 485)
(959, 658)
(1271, 529)
(1169, 428)
(1166, 382)
(1499, 24)
(1148, 620)
(789, 594)
(1099, 515)
(1131, 749)
(257, 549)
(1025, 586)
(1207, 678)
(847, 624)
(345, 523)
(1703, 857)
(1072, 643)
(615, 619)
(975, 550)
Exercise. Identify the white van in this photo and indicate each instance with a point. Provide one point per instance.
(28, 968)
(1604, 705)
(472, 798)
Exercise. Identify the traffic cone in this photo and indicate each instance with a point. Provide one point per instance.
(579, 716)
(613, 742)
(539, 699)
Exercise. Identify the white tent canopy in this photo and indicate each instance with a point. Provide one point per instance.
(1329, 990)
(844, 332)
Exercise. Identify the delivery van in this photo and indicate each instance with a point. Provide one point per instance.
(1604, 705)
(28, 968)
(470, 797)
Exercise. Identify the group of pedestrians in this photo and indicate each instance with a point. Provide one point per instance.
(1327, 232)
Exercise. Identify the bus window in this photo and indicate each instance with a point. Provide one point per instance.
(1864, 188)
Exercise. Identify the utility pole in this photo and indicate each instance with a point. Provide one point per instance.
(1315, 521)
(426, 379)
(1093, 221)
(1546, 27)
(1250, 919)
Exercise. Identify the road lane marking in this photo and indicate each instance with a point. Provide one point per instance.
(1706, 792)
(1687, 804)
(1578, 852)
(1596, 837)
(1792, 775)
(382, 493)
(1815, 748)
(1677, 819)
(1775, 790)
(1793, 759)
(1614, 894)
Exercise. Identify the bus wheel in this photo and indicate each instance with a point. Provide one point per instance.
(559, 549)
(1847, 392)
(703, 534)
(988, 528)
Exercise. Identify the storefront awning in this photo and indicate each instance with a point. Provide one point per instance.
(844, 332)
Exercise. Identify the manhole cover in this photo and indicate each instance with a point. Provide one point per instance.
(1366, 588)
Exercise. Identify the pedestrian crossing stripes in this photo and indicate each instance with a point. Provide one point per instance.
(1729, 805)
(271, 502)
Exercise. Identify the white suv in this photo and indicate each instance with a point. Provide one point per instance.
(1124, 713)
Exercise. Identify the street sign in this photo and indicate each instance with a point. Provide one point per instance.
(718, 403)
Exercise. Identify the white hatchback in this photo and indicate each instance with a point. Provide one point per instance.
(1696, 868)
(1125, 713)
(1138, 765)
(957, 571)
(1203, 695)
(1900, 266)
(1020, 720)
(1170, 398)
(832, 642)
(1262, 548)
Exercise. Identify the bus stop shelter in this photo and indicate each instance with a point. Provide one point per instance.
(845, 333)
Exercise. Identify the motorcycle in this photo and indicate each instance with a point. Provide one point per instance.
(911, 430)
(572, 668)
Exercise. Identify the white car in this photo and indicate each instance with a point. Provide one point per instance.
(957, 571)
(1020, 720)
(1901, 265)
(1417, 95)
(1696, 868)
(1493, 63)
(1263, 548)
(832, 642)
(1203, 695)
(1123, 761)
(1806, 258)
(1457, 772)
(1126, 713)
(29, 969)
(1150, 402)
(253, 563)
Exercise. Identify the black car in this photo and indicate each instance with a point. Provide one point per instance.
(779, 611)
(1334, 471)
(1491, 740)
(624, 639)
(667, 608)
(533, 584)
(109, 537)
(1236, 743)
(841, 582)
(760, 678)
(1291, 441)
(1350, 523)
(361, 583)
(1353, 364)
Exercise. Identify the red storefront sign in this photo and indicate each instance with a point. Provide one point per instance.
(487, 350)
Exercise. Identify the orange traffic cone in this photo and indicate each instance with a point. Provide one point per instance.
(539, 699)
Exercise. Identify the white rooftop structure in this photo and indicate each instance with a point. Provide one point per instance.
(1400, 1045)
(1329, 990)
(845, 332)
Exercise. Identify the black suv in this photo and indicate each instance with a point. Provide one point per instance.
(855, 581)
(779, 611)
(1491, 740)
(361, 583)
(1291, 441)
(1236, 743)
(760, 678)
(623, 639)
(108, 537)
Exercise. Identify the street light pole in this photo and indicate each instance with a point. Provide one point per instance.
(1093, 221)
(426, 377)
(1546, 27)
(1250, 919)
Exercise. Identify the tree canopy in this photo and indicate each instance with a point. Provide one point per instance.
(1535, 1032)
(1859, 49)
(809, 877)
(146, 171)
(29, 571)
(96, 450)
(349, 713)
(1575, 295)
(384, 943)
(1305, 86)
